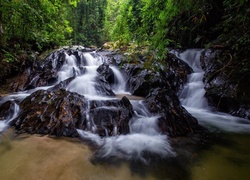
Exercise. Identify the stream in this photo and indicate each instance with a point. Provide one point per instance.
(122, 157)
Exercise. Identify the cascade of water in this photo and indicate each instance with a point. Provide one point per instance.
(4, 123)
(192, 98)
(120, 83)
(144, 137)
(144, 133)
(84, 84)
(140, 108)
(69, 68)
(130, 146)
(193, 92)
(91, 61)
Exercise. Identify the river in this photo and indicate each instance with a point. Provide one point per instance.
(42, 157)
(31, 157)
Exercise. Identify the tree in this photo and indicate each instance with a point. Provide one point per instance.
(88, 22)
(39, 22)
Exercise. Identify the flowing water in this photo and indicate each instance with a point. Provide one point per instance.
(126, 156)
(192, 98)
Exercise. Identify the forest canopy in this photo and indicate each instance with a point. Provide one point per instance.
(37, 25)
(43, 24)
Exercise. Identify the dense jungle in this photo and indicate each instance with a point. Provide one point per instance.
(124, 89)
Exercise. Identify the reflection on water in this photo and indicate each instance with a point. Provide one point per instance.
(227, 160)
(42, 157)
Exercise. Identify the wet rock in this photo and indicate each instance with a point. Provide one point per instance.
(6, 110)
(18, 82)
(61, 112)
(176, 72)
(224, 90)
(111, 117)
(140, 80)
(57, 113)
(44, 73)
(174, 119)
(104, 79)
(106, 72)
(61, 85)
(242, 111)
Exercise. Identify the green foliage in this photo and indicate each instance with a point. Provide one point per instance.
(164, 23)
(39, 22)
(8, 57)
(145, 22)
(87, 22)
(236, 14)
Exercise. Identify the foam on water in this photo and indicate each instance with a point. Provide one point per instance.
(131, 146)
(144, 138)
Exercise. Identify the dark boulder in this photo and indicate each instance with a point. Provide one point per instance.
(111, 117)
(174, 119)
(44, 73)
(6, 110)
(176, 72)
(173, 72)
(225, 91)
(62, 84)
(104, 79)
(140, 80)
(106, 72)
(60, 113)
(57, 113)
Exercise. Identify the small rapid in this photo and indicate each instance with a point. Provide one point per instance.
(144, 138)
(192, 98)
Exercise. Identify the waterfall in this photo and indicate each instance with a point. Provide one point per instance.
(4, 123)
(144, 136)
(84, 84)
(69, 68)
(120, 83)
(91, 61)
(192, 98)
(193, 92)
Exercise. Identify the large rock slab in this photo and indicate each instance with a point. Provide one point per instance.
(61, 112)
(226, 91)
(174, 119)
(141, 81)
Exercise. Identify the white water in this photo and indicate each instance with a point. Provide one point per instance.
(85, 84)
(193, 92)
(144, 137)
(131, 146)
(119, 86)
(192, 98)
(4, 123)
(144, 132)
(69, 68)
